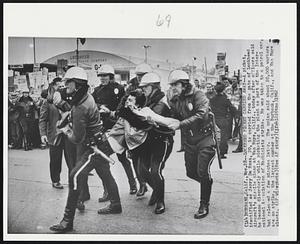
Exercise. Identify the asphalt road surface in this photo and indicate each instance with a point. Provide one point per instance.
(33, 205)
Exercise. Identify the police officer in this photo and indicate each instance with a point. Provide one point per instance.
(140, 71)
(84, 125)
(27, 118)
(223, 110)
(191, 108)
(63, 102)
(159, 143)
(14, 128)
(108, 96)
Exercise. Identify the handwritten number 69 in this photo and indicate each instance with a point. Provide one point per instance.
(160, 21)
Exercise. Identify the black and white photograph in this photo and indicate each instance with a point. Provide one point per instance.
(122, 135)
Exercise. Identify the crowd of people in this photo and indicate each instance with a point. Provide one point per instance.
(137, 123)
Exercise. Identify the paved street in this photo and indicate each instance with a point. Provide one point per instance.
(33, 205)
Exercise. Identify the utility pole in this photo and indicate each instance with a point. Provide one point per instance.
(192, 73)
(82, 41)
(205, 69)
(77, 51)
(34, 57)
(146, 48)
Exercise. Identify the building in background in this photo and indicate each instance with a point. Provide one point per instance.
(40, 74)
(91, 60)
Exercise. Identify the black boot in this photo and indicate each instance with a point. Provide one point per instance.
(153, 199)
(66, 224)
(143, 189)
(203, 210)
(112, 208)
(160, 207)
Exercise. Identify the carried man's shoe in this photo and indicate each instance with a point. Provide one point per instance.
(160, 208)
(202, 211)
(238, 150)
(80, 206)
(143, 189)
(133, 190)
(104, 198)
(57, 185)
(111, 209)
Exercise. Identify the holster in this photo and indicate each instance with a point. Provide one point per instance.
(100, 140)
(194, 139)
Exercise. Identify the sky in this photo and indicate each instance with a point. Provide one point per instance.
(179, 51)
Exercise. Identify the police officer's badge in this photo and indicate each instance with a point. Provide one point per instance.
(190, 106)
(116, 91)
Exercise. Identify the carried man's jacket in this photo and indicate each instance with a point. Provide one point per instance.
(159, 104)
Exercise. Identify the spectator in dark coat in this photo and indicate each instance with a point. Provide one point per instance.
(222, 108)
(27, 116)
(49, 115)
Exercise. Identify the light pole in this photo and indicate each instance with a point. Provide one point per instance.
(205, 69)
(193, 74)
(146, 48)
(77, 51)
(34, 58)
(82, 41)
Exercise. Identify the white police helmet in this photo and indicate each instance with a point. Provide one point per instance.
(106, 69)
(75, 73)
(143, 69)
(149, 78)
(178, 75)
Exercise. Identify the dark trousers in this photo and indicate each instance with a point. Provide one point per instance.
(152, 160)
(240, 133)
(35, 134)
(136, 166)
(223, 125)
(86, 163)
(230, 126)
(27, 125)
(182, 140)
(15, 134)
(56, 152)
(197, 164)
(72, 153)
(128, 169)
